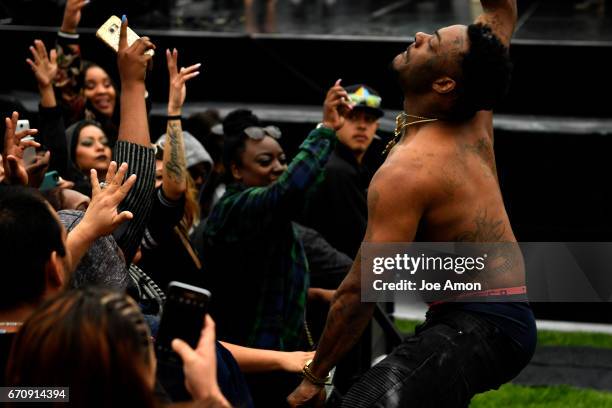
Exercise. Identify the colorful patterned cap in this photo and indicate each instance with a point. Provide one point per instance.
(364, 97)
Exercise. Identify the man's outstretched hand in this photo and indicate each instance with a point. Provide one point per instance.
(307, 394)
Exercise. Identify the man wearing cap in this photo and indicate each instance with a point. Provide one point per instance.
(338, 207)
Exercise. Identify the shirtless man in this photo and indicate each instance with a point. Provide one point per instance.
(439, 183)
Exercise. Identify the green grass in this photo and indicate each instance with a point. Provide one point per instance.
(510, 395)
(545, 337)
(552, 338)
(515, 396)
(406, 326)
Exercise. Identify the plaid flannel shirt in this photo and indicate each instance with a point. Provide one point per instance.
(255, 265)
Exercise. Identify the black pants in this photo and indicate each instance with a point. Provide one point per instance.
(452, 356)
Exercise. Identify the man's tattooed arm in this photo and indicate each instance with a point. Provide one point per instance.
(346, 321)
(395, 207)
(501, 16)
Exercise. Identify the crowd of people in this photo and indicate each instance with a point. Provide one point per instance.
(103, 216)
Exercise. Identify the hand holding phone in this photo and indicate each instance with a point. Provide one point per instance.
(12, 153)
(182, 317)
(109, 33)
(133, 60)
(29, 153)
(200, 367)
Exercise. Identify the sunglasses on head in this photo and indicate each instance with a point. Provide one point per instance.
(373, 101)
(258, 133)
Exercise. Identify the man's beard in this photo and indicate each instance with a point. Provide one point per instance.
(414, 80)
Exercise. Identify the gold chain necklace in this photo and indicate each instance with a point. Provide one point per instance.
(402, 121)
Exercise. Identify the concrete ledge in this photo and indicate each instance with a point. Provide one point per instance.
(312, 114)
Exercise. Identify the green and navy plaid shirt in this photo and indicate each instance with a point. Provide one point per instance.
(255, 265)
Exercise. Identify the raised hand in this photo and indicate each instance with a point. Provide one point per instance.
(12, 154)
(336, 105)
(200, 367)
(133, 60)
(178, 90)
(72, 15)
(102, 217)
(44, 65)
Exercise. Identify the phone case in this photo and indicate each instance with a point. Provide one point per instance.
(182, 317)
(23, 124)
(50, 181)
(109, 34)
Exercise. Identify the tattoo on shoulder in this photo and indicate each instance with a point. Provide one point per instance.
(175, 166)
(486, 229)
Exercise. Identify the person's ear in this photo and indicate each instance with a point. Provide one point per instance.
(55, 273)
(444, 85)
(236, 173)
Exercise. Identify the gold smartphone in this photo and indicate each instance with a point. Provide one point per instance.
(109, 34)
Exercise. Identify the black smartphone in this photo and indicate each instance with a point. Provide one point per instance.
(182, 317)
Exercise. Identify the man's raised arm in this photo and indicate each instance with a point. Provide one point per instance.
(392, 217)
(501, 16)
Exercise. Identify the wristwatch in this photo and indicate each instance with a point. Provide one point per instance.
(307, 374)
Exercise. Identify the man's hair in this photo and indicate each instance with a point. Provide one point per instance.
(485, 73)
(28, 235)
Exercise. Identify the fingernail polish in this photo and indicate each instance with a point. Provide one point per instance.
(123, 18)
